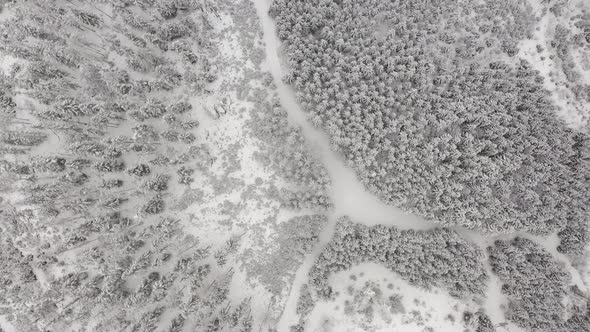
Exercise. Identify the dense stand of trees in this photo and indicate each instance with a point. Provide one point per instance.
(434, 258)
(539, 289)
(427, 101)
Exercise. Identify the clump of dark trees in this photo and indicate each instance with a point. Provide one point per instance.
(536, 286)
(437, 115)
(433, 258)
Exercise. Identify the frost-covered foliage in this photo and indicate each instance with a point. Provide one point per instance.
(417, 96)
(537, 287)
(434, 258)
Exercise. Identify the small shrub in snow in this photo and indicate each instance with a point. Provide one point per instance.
(140, 170)
(112, 183)
(110, 165)
(170, 136)
(153, 109)
(145, 132)
(189, 125)
(155, 205)
(77, 178)
(185, 175)
(187, 138)
(23, 138)
(157, 183)
(179, 108)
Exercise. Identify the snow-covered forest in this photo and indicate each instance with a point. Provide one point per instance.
(295, 165)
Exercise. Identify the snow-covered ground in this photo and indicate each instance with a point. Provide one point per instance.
(225, 205)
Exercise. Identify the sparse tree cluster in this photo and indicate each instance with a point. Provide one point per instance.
(296, 238)
(287, 153)
(96, 184)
